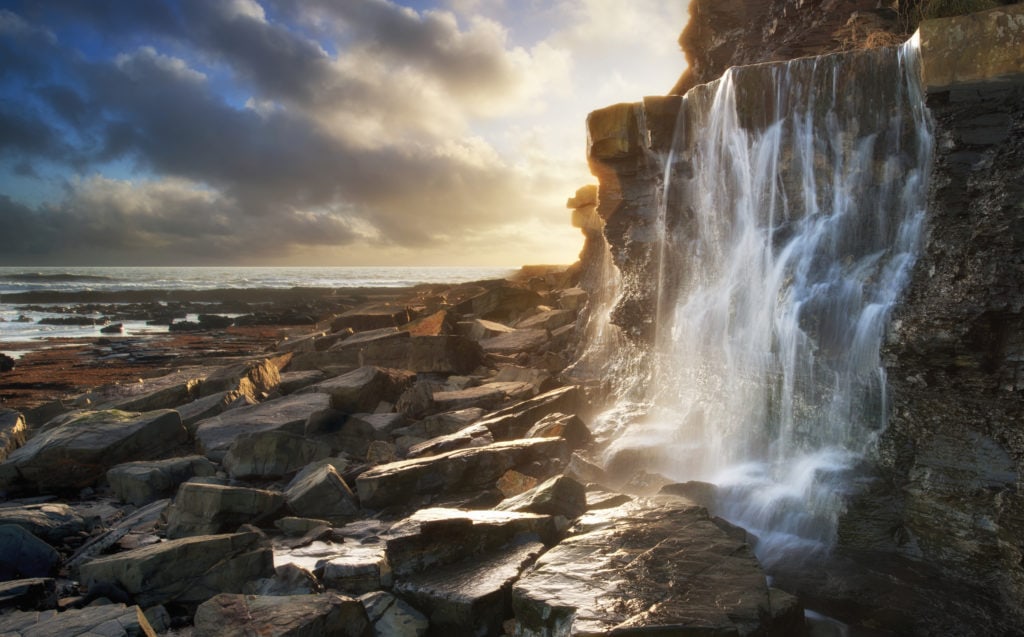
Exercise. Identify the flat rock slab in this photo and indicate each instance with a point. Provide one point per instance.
(51, 522)
(35, 593)
(487, 396)
(516, 420)
(113, 620)
(526, 340)
(189, 571)
(214, 436)
(456, 471)
(322, 615)
(146, 481)
(206, 509)
(436, 537)
(78, 452)
(473, 597)
(392, 616)
(647, 567)
(560, 495)
(271, 454)
(361, 390)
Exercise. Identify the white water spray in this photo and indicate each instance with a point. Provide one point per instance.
(794, 204)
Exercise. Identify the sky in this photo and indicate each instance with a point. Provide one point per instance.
(311, 132)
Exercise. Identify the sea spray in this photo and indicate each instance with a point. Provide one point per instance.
(791, 211)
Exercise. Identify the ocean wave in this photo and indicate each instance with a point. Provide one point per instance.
(60, 277)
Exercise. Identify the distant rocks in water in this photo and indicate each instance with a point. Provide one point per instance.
(113, 328)
(71, 320)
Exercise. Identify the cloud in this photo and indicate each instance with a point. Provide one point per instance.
(216, 131)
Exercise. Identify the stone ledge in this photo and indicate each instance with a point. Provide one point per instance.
(972, 48)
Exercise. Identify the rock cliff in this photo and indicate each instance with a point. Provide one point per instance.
(934, 542)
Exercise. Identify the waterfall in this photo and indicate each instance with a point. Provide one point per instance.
(792, 208)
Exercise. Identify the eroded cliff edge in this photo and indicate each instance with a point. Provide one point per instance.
(939, 532)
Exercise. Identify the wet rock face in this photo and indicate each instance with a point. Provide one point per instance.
(955, 448)
(724, 33)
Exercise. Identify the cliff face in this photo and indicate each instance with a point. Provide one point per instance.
(942, 512)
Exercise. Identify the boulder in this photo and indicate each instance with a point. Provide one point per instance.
(443, 354)
(560, 495)
(271, 454)
(288, 579)
(51, 522)
(549, 320)
(473, 597)
(568, 426)
(471, 436)
(514, 421)
(357, 568)
(356, 432)
(524, 340)
(646, 567)
(36, 593)
(321, 493)
(441, 424)
(187, 571)
(361, 390)
(513, 483)
(169, 397)
(200, 409)
(538, 378)
(24, 555)
(207, 509)
(79, 452)
(324, 615)
(293, 381)
(111, 620)
(500, 303)
(393, 617)
(214, 436)
(463, 470)
(434, 324)
(436, 537)
(418, 400)
(254, 379)
(12, 432)
(146, 481)
(480, 329)
(572, 299)
(371, 317)
(140, 523)
(487, 396)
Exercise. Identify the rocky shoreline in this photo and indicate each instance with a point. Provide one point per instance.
(410, 465)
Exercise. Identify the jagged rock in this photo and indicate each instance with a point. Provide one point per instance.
(645, 566)
(324, 615)
(292, 526)
(371, 317)
(142, 521)
(187, 571)
(380, 452)
(573, 299)
(584, 470)
(214, 436)
(444, 354)
(538, 378)
(51, 522)
(600, 498)
(487, 396)
(254, 379)
(547, 320)
(361, 390)
(79, 452)
(471, 436)
(12, 432)
(37, 593)
(288, 579)
(418, 400)
(568, 426)
(436, 537)
(560, 495)
(513, 483)
(515, 420)
(113, 620)
(473, 597)
(393, 617)
(142, 482)
(208, 509)
(322, 494)
(356, 432)
(456, 471)
(271, 454)
(24, 555)
(192, 413)
(435, 324)
(521, 340)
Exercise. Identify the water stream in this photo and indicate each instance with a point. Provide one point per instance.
(792, 210)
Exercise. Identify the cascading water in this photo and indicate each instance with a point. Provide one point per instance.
(793, 208)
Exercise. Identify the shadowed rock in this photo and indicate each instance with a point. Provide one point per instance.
(143, 482)
(214, 436)
(323, 615)
(114, 620)
(24, 555)
(12, 432)
(271, 454)
(206, 509)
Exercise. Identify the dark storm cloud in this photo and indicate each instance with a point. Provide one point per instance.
(296, 167)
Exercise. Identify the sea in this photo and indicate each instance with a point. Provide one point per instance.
(20, 325)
